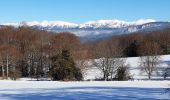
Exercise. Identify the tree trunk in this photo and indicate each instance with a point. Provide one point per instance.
(111, 77)
(105, 76)
(149, 76)
(7, 65)
(3, 74)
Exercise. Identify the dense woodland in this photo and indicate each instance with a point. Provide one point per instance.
(27, 52)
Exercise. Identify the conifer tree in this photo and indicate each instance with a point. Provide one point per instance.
(63, 67)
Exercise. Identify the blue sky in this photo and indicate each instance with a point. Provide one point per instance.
(79, 11)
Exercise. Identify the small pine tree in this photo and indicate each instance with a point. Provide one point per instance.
(63, 67)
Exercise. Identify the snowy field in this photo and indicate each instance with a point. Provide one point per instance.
(50, 90)
(134, 65)
(25, 89)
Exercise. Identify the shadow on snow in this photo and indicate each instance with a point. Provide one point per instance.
(86, 93)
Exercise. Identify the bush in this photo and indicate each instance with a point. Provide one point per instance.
(123, 73)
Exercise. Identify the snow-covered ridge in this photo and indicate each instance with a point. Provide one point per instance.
(51, 23)
(114, 23)
(142, 21)
(45, 24)
(105, 24)
(91, 24)
(96, 30)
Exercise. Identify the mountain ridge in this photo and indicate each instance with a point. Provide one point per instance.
(100, 29)
(96, 24)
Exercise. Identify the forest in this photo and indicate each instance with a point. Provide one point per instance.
(28, 52)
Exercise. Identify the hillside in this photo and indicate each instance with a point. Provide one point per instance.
(134, 66)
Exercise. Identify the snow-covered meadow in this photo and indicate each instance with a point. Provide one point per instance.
(88, 90)
(26, 89)
(134, 66)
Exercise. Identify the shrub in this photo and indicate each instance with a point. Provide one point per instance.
(123, 73)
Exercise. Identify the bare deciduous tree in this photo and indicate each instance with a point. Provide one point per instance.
(109, 58)
(9, 58)
(150, 59)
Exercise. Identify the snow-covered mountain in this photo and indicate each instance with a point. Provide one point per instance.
(100, 29)
(114, 23)
(91, 24)
(59, 24)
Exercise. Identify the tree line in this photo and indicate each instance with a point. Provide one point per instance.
(28, 52)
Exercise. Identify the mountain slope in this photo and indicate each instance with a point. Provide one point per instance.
(101, 29)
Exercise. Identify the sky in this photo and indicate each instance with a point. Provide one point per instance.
(79, 11)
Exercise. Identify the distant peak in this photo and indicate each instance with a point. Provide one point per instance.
(142, 21)
(115, 23)
(51, 23)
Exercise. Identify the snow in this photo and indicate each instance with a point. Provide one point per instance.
(142, 21)
(46, 23)
(30, 89)
(52, 24)
(87, 93)
(105, 23)
(12, 85)
(11, 24)
(134, 63)
(115, 23)
(51, 90)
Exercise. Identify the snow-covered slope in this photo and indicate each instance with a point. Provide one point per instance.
(134, 64)
(60, 24)
(104, 24)
(114, 23)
